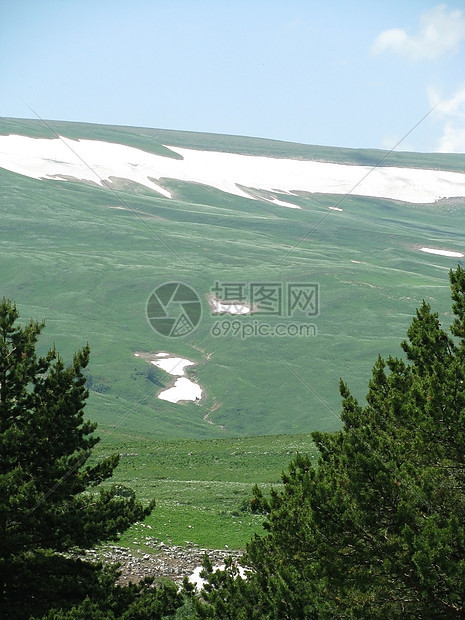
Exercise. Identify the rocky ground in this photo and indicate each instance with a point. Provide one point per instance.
(170, 561)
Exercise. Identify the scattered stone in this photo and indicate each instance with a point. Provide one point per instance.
(163, 560)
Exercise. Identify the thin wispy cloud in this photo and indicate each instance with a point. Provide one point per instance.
(451, 111)
(453, 106)
(440, 32)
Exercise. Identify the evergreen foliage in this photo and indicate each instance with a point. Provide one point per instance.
(50, 508)
(377, 530)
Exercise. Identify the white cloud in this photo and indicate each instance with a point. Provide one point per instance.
(440, 31)
(452, 139)
(451, 112)
(454, 106)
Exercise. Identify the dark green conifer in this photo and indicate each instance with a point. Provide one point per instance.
(377, 530)
(48, 501)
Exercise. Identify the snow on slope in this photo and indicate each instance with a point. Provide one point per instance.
(449, 253)
(92, 160)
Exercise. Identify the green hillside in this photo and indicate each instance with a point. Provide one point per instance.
(88, 269)
(202, 488)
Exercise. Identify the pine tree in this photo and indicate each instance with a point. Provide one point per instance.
(49, 503)
(377, 530)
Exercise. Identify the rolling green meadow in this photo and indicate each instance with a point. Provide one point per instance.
(68, 256)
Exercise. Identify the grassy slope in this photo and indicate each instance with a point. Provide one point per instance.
(88, 270)
(201, 486)
(151, 140)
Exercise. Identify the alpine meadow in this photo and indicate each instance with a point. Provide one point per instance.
(183, 314)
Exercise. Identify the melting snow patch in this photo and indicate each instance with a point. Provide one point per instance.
(282, 203)
(228, 307)
(173, 365)
(442, 252)
(183, 388)
(63, 159)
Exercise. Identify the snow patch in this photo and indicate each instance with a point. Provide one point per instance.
(282, 203)
(183, 388)
(442, 252)
(100, 162)
(84, 160)
(173, 365)
(228, 307)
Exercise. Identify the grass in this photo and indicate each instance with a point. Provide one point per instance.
(88, 270)
(201, 487)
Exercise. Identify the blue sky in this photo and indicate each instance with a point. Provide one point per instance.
(336, 73)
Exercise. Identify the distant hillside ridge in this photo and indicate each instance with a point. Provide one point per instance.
(136, 136)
